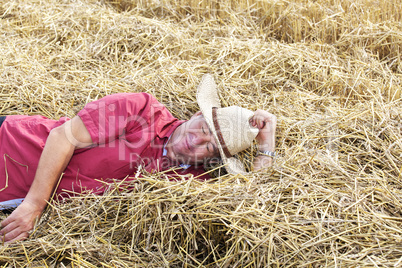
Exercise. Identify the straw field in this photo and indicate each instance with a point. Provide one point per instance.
(331, 72)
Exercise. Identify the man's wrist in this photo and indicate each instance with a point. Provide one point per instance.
(37, 203)
(267, 153)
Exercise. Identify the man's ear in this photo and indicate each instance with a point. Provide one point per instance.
(196, 114)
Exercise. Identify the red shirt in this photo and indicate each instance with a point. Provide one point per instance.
(128, 130)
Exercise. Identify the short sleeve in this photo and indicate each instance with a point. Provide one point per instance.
(110, 117)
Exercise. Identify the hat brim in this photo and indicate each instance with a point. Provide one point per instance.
(207, 99)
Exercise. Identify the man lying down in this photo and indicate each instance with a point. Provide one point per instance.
(111, 138)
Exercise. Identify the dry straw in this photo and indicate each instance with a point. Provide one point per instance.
(330, 70)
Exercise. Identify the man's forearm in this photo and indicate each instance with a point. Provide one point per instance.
(268, 144)
(54, 159)
(266, 123)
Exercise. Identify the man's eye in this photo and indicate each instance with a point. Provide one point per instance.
(203, 131)
(209, 147)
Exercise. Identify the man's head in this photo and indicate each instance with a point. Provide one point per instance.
(192, 142)
(213, 132)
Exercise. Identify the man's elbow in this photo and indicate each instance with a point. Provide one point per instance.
(58, 136)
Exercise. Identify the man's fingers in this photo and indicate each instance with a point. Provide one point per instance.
(22, 236)
(13, 230)
(262, 118)
(5, 222)
(258, 122)
(13, 234)
(8, 228)
(20, 222)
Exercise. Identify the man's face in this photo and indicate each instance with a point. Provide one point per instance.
(192, 142)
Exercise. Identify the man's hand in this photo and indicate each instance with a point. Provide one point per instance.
(17, 226)
(266, 123)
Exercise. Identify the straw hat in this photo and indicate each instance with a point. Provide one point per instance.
(230, 125)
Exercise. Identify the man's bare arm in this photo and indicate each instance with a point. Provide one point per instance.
(57, 153)
(266, 123)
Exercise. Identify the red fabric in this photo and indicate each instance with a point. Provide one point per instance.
(129, 129)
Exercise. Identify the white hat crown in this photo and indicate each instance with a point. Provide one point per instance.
(234, 125)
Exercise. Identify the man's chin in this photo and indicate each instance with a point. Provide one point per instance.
(189, 161)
